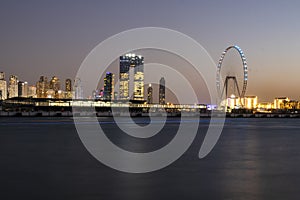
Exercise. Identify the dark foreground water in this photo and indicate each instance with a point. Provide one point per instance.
(44, 158)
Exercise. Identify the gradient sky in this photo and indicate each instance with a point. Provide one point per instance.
(53, 37)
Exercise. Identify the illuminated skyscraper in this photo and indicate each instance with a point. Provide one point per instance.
(124, 78)
(68, 85)
(31, 91)
(3, 86)
(162, 91)
(54, 84)
(41, 87)
(126, 62)
(150, 94)
(13, 86)
(108, 92)
(22, 89)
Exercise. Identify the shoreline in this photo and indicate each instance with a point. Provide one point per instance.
(4, 114)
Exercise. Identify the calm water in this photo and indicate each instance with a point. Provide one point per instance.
(43, 158)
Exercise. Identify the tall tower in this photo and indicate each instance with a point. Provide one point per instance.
(108, 93)
(3, 86)
(31, 91)
(68, 89)
(162, 91)
(54, 84)
(13, 86)
(22, 89)
(126, 62)
(68, 85)
(41, 87)
(150, 94)
(78, 89)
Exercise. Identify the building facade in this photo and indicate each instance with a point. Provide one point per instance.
(54, 83)
(3, 86)
(13, 86)
(41, 87)
(22, 89)
(250, 102)
(127, 62)
(68, 88)
(162, 91)
(280, 102)
(150, 94)
(31, 91)
(108, 91)
(78, 93)
(55, 86)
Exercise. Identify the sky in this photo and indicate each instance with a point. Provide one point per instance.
(53, 37)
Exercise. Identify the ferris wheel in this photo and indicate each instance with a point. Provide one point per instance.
(238, 76)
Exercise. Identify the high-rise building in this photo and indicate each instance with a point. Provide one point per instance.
(31, 91)
(2, 75)
(68, 89)
(41, 87)
(138, 91)
(54, 84)
(150, 94)
(22, 89)
(162, 91)
(78, 93)
(108, 92)
(126, 62)
(3, 86)
(68, 84)
(13, 86)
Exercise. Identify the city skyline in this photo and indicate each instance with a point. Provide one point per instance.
(43, 44)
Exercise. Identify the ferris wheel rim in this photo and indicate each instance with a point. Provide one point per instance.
(245, 69)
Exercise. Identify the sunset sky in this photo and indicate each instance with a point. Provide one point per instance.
(53, 37)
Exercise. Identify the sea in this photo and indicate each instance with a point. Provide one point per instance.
(255, 158)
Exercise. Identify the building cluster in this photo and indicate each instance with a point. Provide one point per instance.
(251, 103)
(131, 87)
(44, 88)
(131, 82)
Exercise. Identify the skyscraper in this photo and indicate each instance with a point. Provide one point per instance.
(22, 89)
(31, 91)
(41, 87)
(108, 93)
(138, 91)
(3, 86)
(68, 89)
(54, 84)
(78, 89)
(126, 62)
(150, 94)
(2, 76)
(162, 91)
(68, 84)
(13, 86)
